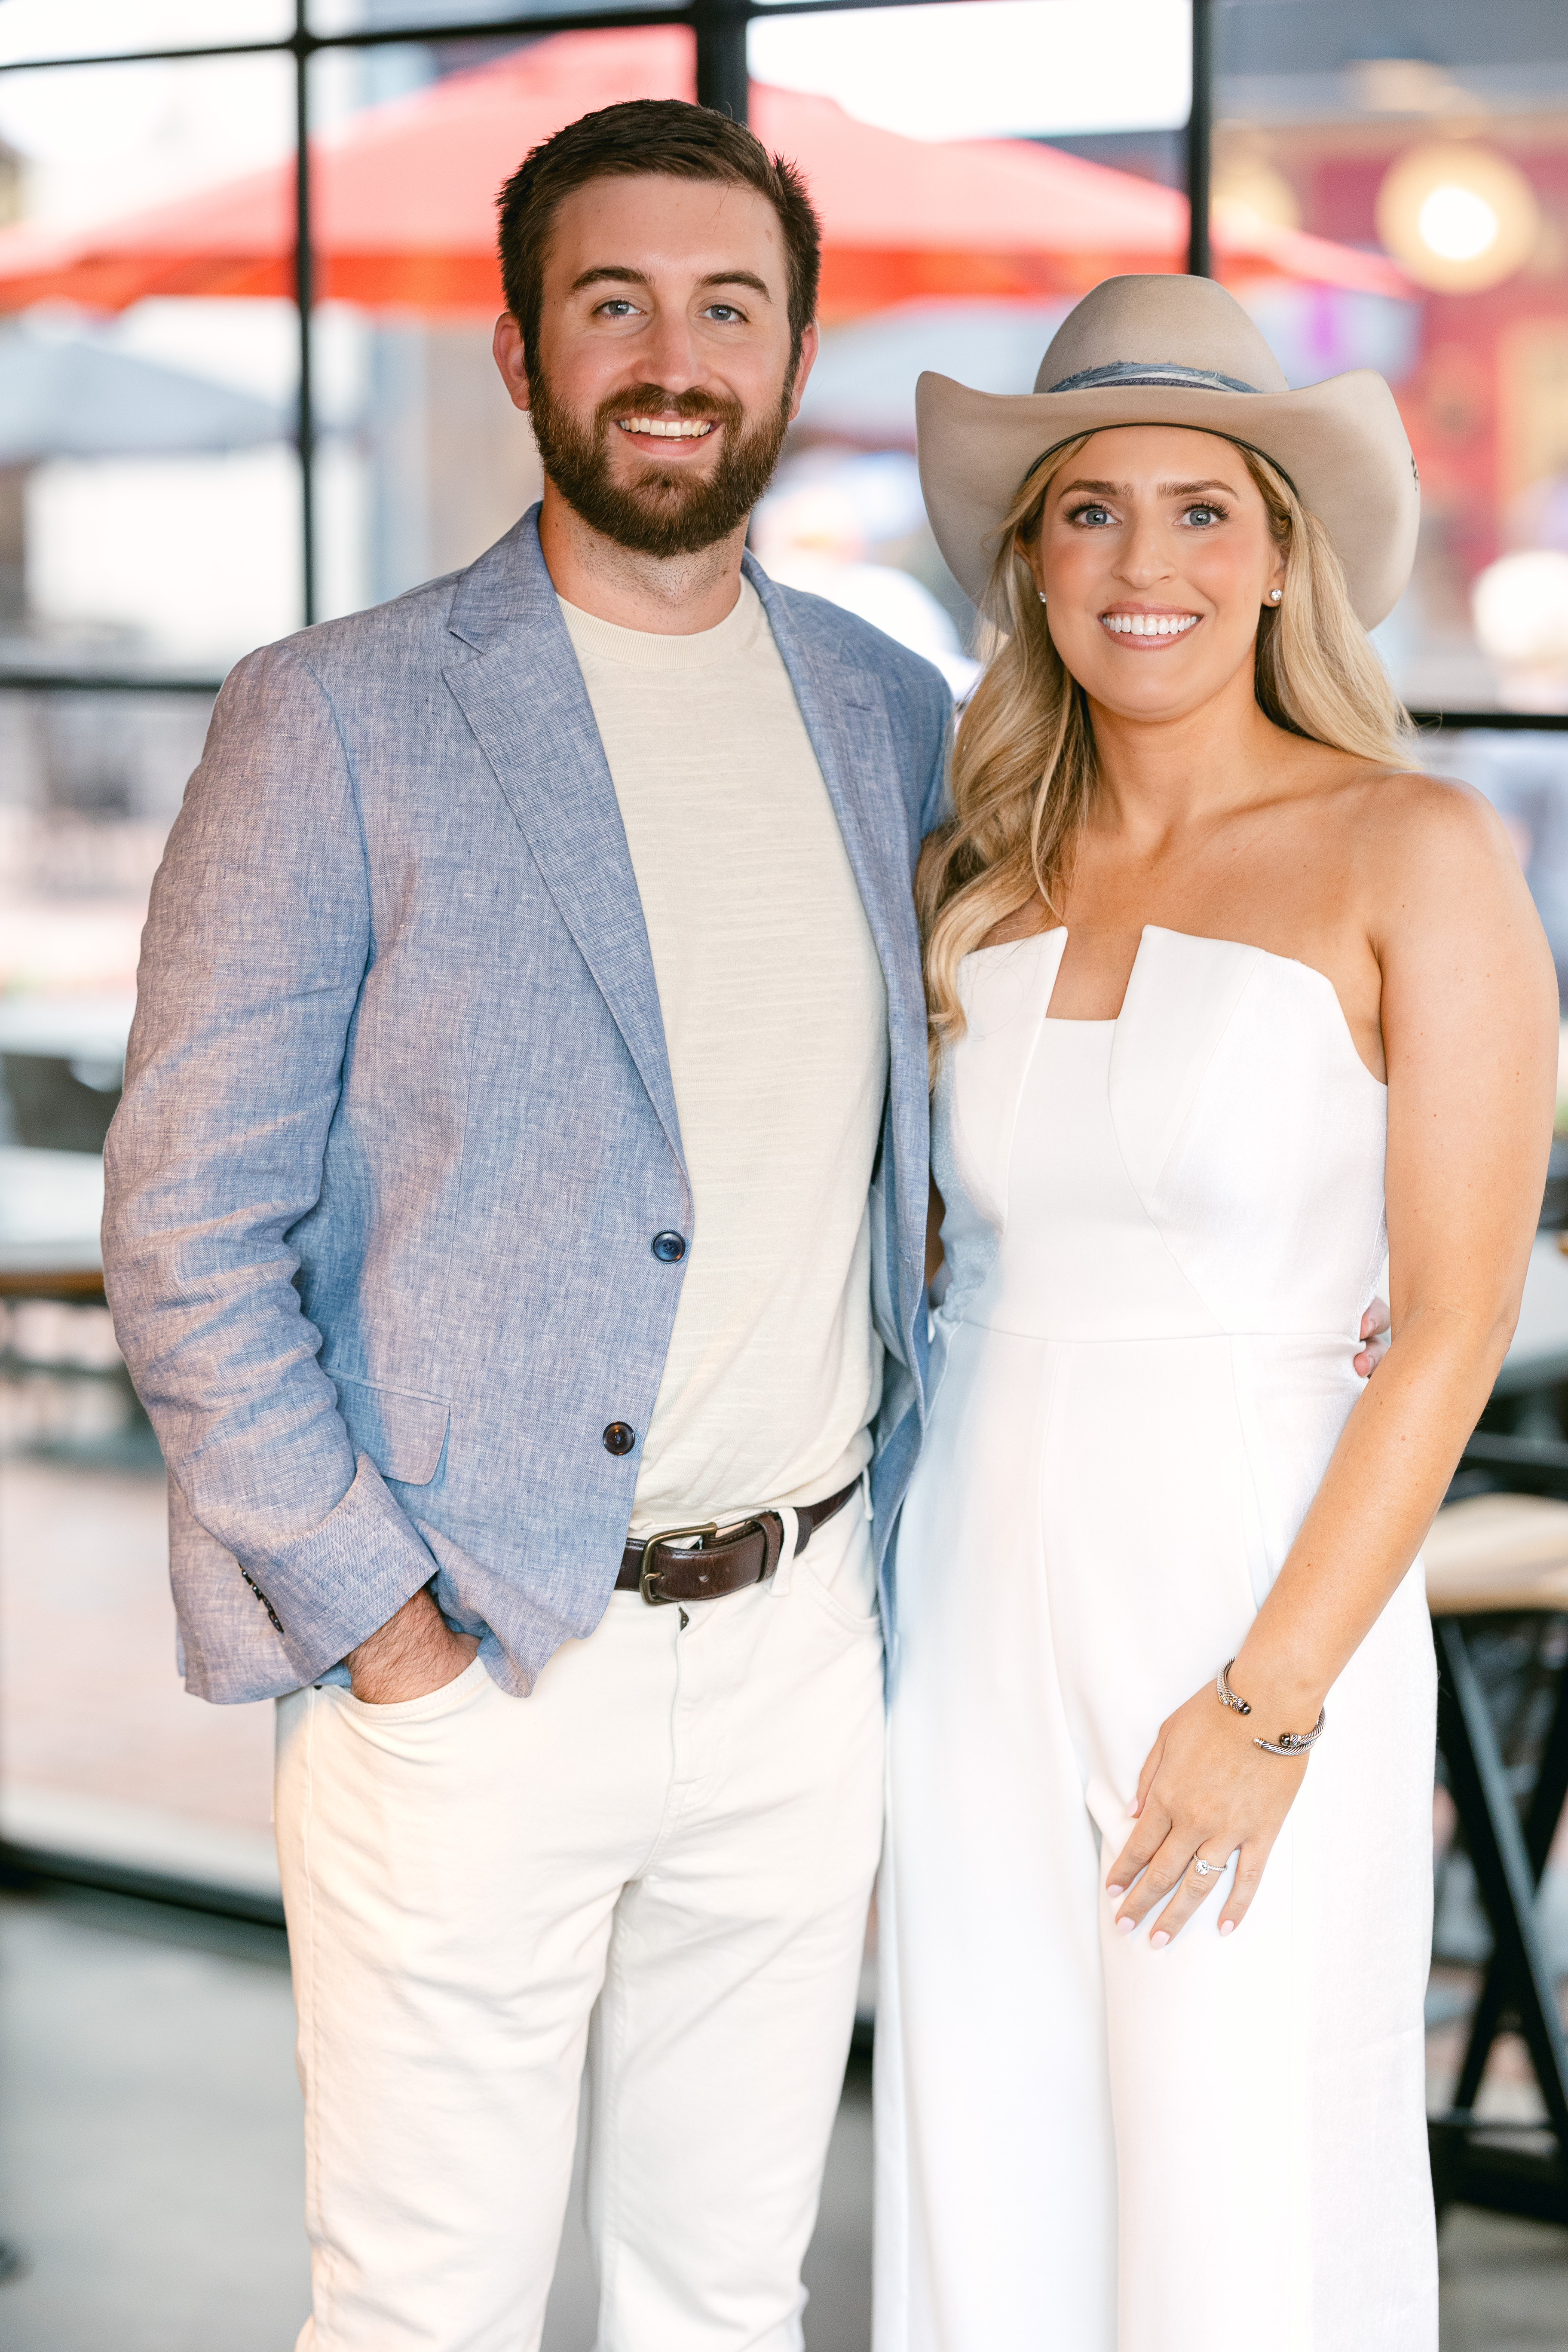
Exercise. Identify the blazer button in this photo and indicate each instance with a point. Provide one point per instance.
(668, 1249)
(619, 1438)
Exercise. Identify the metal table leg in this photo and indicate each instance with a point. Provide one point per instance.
(1541, 1821)
(1509, 2180)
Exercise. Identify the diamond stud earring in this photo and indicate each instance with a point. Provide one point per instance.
(1042, 596)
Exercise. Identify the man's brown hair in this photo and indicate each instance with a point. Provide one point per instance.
(640, 136)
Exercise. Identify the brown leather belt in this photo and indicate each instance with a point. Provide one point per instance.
(706, 1568)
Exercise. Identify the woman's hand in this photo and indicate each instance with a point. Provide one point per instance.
(1204, 1791)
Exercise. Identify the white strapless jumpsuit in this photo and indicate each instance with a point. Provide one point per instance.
(1162, 1231)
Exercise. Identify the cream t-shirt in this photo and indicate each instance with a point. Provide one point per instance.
(777, 1024)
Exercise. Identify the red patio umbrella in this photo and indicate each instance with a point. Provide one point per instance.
(403, 204)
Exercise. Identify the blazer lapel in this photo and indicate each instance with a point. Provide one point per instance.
(516, 678)
(847, 720)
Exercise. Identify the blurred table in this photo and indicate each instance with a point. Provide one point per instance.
(51, 1204)
(62, 1063)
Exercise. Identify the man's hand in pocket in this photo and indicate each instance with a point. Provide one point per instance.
(411, 1654)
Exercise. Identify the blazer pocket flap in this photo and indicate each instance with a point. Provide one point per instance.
(402, 1433)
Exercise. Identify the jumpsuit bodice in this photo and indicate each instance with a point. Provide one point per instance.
(1209, 1162)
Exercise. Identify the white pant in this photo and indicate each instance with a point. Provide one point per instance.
(680, 1825)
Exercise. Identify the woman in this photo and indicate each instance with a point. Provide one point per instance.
(1211, 972)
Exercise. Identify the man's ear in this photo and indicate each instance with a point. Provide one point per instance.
(810, 344)
(510, 358)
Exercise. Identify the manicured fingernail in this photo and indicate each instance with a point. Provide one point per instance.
(1227, 1926)
(1132, 1810)
(1116, 1893)
(1125, 1926)
(1157, 1938)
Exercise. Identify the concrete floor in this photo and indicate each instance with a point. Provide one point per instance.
(1505, 2284)
(150, 2163)
(150, 2167)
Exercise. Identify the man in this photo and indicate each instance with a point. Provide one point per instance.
(523, 1159)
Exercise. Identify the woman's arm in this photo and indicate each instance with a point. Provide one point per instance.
(1469, 1024)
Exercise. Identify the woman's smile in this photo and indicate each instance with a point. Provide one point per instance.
(1145, 627)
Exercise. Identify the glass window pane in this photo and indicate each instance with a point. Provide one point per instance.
(67, 28)
(149, 510)
(329, 17)
(147, 434)
(1449, 155)
(91, 144)
(989, 69)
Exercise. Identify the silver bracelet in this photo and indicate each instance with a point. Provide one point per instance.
(1289, 1743)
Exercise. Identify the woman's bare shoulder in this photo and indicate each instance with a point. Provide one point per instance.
(1382, 803)
(1412, 828)
(1432, 858)
(1409, 797)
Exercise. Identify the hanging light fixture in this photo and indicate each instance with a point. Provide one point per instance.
(1459, 217)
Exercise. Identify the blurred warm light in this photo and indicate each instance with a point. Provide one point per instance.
(1403, 86)
(1520, 607)
(1259, 190)
(1458, 225)
(1459, 217)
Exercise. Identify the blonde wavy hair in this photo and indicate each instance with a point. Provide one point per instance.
(1024, 769)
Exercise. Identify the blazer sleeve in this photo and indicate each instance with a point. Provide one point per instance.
(258, 938)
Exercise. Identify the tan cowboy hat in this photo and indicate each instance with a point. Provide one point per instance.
(1175, 350)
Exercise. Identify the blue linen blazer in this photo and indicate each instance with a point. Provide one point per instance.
(398, 1124)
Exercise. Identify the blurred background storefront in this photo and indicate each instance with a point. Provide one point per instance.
(246, 384)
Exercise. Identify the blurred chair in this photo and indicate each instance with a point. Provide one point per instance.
(52, 1107)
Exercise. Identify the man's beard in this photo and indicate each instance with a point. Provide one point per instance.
(661, 510)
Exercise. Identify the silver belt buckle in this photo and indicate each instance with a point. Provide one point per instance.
(667, 1536)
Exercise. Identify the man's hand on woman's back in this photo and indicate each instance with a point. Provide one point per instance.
(1374, 1331)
